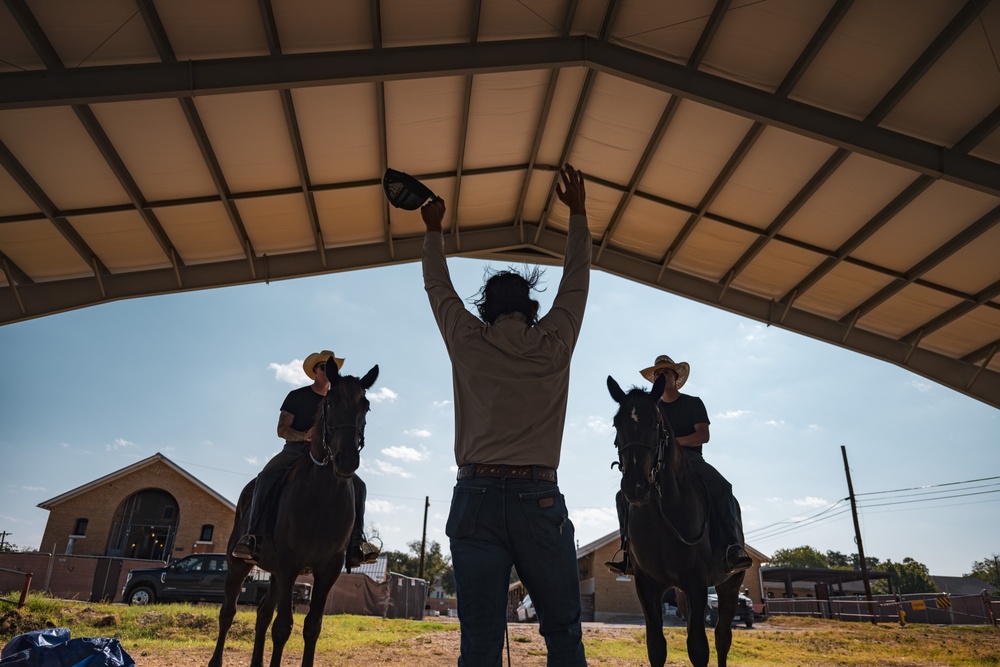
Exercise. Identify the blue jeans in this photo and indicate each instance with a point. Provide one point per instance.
(496, 523)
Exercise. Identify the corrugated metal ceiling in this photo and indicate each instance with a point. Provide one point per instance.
(830, 167)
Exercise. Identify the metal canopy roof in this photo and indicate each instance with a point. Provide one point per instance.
(830, 167)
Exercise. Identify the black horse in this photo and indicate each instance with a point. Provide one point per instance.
(668, 528)
(315, 514)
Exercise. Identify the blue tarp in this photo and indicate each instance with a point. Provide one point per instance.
(54, 648)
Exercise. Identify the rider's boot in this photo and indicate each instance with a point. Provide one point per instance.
(623, 566)
(737, 558)
(361, 551)
(246, 548)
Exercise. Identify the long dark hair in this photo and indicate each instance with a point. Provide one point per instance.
(509, 291)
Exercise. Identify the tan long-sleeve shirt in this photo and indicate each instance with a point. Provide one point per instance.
(511, 380)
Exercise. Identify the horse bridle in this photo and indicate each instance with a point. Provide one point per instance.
(328, 434)
(660, 456)
(662, 439)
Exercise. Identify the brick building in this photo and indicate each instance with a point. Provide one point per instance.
(607, 597)
(152, 509)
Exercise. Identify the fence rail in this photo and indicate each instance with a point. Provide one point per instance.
(11, 580)
(932, 608)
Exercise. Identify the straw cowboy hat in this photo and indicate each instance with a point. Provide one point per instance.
(664, 362)
(317, 358)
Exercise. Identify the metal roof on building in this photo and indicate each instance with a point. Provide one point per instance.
(829, 167)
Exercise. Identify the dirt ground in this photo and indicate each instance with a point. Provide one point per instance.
(437, 649)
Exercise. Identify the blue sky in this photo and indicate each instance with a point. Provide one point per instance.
(200, 376)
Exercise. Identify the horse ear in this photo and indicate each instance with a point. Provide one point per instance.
(616, 391)
(369, 379)
(661, 382)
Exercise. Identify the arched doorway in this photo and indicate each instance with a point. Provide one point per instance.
(145, 526)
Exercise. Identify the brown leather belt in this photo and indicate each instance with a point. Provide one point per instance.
(538, 473)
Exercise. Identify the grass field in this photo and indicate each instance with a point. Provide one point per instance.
(182, 635)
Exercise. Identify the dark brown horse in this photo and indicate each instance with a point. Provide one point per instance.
(668, 528)
(315, 514)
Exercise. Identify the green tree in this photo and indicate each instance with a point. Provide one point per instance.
(987, 569)
(435, 564)
(840, 561)
(910, 576)
(804, 556)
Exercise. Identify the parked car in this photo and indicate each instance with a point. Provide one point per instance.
(526, 610)
(199, 578)
(744, 609)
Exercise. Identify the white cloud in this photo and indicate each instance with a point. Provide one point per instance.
(595, 516)
(383, 394)
(383, 507)
(290, 373)
(775, 422)
(404, 453)
(33, 488)
(383, 468)
(600, 426)
(417, 432)
(441, 404)
(732, 414)
(922, 387)
(119, 444)
(810, 501)
(753, 332)
(252, 460)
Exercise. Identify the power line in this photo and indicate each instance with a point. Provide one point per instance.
(798, 519)
(929, 486)
(924, 500)
(802, 525)
(931, 493)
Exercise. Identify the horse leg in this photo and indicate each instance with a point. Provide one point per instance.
(651, 598)
(697, 642)
(265, 610)
(313, 624)
(728, 592)
(281, 630)
(235, 575)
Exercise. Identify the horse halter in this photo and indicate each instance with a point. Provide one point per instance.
(328, 434)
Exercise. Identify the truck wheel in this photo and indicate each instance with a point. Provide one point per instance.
(712, 618)
(142, 595)
(749, 619)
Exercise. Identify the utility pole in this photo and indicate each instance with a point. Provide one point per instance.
(423, 539)
(857, 538)
(3, 539)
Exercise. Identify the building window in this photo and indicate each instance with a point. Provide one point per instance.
(206, 533)
(168, 512)
(80, 527)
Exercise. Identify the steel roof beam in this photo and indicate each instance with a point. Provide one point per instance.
(20, 176)
(204, 77)
(159, 36)
(697, 55)
(610, 12)
(292, 124)
(543, 117)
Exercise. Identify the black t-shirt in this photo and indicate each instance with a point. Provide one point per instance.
(302, 404)
(683, 414)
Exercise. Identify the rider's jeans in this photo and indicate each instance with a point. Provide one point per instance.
(495, 523)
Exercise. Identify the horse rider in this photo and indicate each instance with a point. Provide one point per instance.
(510, 371)
(689, 420)
(296, 423)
